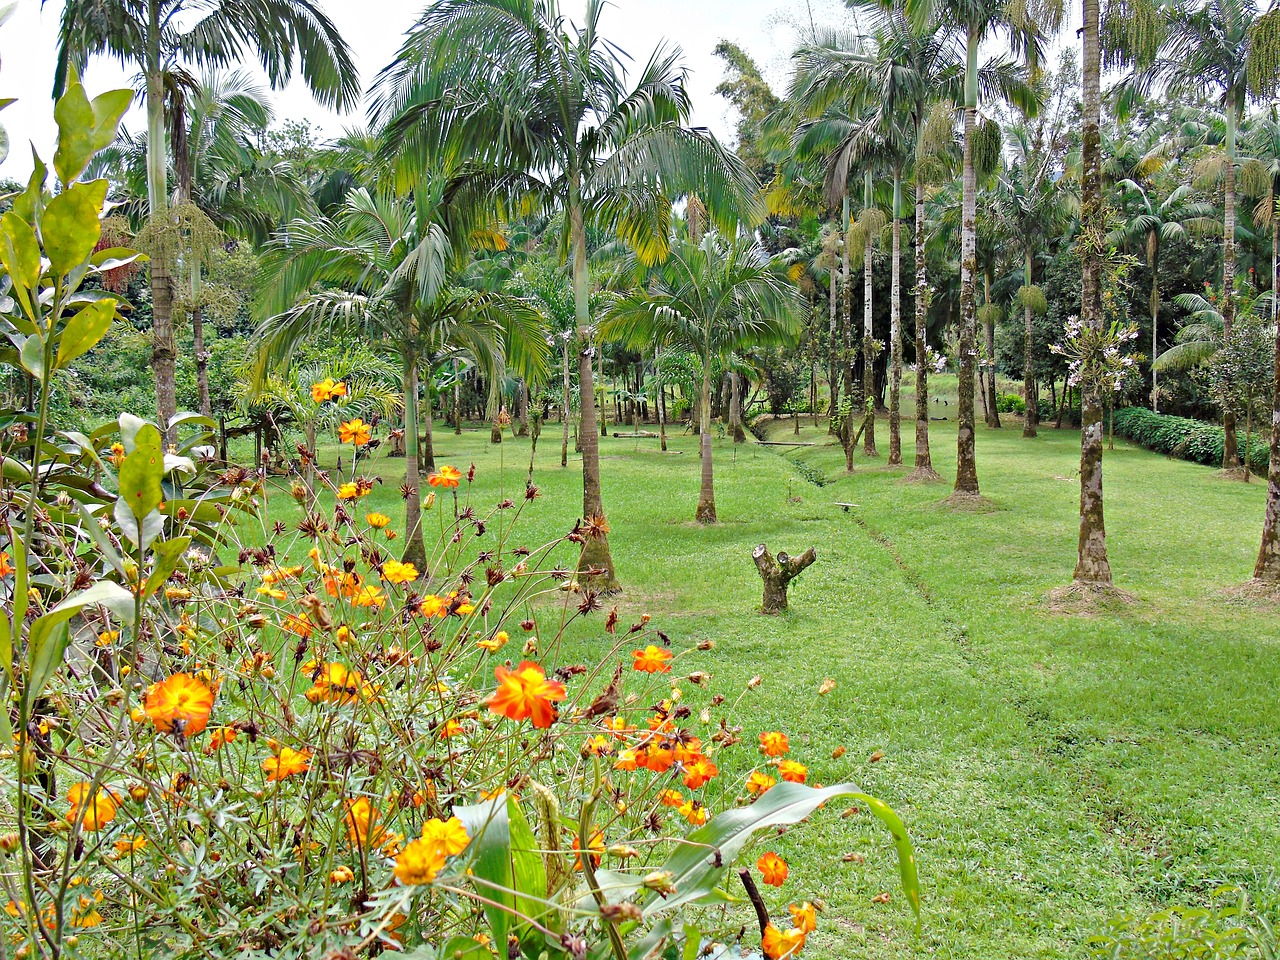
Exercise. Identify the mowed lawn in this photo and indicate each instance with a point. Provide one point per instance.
(1052, 769)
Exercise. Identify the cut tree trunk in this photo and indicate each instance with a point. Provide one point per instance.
(777, 575)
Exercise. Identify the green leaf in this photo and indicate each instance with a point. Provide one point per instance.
(70, 227)
(32, 356)
(140, 534)
(464, 948)
(100, 539)
(85, 127)
(168, 555)
(20, 254)
(26, 204)
(701, 860)
(47, 639)
(84, 330)
(141, 472)
(129, 427)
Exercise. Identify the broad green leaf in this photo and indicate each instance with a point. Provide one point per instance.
(100, 539)
(26, 203)
(701, 860)
(129, 427)
(464, 948)
(32, 356)
(47, 639)
(84, 330)
(6, 725)
(70, 227)
(6, 644)
(168, 555)
(20, 254)
(140, 534)
(85, 127)
(692, 942)
(141, 472)
(644, 948)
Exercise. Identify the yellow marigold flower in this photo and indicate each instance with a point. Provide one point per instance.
(773, 744)
(94, 810)
(342, 875)
(759, 782)
(377, 520)
(355, 432)
(419, 862)
(349, 491)
(393, 571)
(287, 763)
(180, 704)
(792, 771)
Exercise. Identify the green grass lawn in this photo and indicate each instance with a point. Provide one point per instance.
(1052, 769)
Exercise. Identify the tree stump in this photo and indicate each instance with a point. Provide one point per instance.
(777, 574)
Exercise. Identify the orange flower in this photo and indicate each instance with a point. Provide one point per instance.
(447, 477)
(526, 693)
(363, 829)
(595, 847)
(792, 771)
(779, 945)
(651, 660)
(759, 782)
(93, 811)
(221, 737)
(180, 704)
(287, 763)
(773, 868)
(449, 835)
(368, 595)
(393, 571)
(355, 432)
(343, 874)
(337, 683)
(377, 520)
(671, 798)
(495, 643)
(6, 567)
(694, 812)
(698, 771)
(298, 623)
(804, 918)
(628, 759)
(774, 744)
(128, 845)
(419, 862)
(658, 758)
(326, 389)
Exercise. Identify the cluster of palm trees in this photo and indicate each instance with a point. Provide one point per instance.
(494, 112)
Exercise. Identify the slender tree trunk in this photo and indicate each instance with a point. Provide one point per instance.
(1153, 263)
(852, 394)
(1092, 566)
(660, 401)
(923, 471)
(522, 407)
(966, 438)
(415, 550)
(735, 409)
(604, 401)
(833, 381)
(163, 349)
(1230, 447)
(1030, 391)
(566, 400)
(868, 337)
(895, 328)
(595, 552)
(1268, 566)
(202, 355)
(993, 412)
(426, 429)
(706, 512)
(309, 472)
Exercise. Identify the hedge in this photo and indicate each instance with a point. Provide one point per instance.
(1193, 440)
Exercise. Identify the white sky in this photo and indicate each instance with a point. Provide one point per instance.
(374, 29)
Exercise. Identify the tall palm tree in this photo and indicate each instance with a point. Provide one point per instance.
(387, 266)
(544, 111)
(1150, 221)
(1023, 25)
(1211, 49)
(162, 37)
(1260, 179)
(710, 298)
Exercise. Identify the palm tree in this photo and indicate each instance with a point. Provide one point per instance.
(543, 111)
(1213, 49)
(711, 299)
(1150, 221)
(1260, 178)
(387, 266)
(976, 21)
(159, 37)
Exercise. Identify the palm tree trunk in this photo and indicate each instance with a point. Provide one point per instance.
(163, 349)
(895, 328)
(966, 438)
(660, 401)
(1030, 390)
(735, 408)
(415, 550)
(1230, 447)
(923, 472)
(1092, 566)
(850, 355)
(993, 412)
(522, 407)
(596, 556)
(868, 339)
(1268, 566)
(426, 429)
(566, 402)
(1153, 262)
(833, 376)
(706, 512)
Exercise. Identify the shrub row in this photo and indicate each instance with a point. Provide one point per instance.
(1194, 440)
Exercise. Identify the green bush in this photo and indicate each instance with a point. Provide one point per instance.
(1011, 403)
(1233, 925)
(1194, 440)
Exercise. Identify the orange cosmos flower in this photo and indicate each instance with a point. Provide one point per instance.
(804, 918)
(773, 868)
(595, 848)
(355, 432)
(393, 571)
(326, 389)
(651, 660)
(363, 829)
(694, 812)
(495, 643)
(759, 782)
(419, 862)
(698, 771)
(657, 757)
(780, 945)
(342, 875)
(377, 520)
(221, 737)
(447, 477)
(180, 704)
(774, 744)
(628, 759)
(287, 763)
(671, 798)
(792, 771)
(368, 595)
(128, 845)
(449, 835)
(298, 623)
(337, 683)
(526, 693)
(93, 810)
(6, 567)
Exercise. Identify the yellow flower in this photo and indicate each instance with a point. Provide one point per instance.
(93, 811)
(449, 835)
(495, 643)
(128, 845)
(275, 593)
(287, 763)
(793, 771)
(377, 520)
(342, 875)
(419, 862)
(180, 704)
(363, 829)
(368, 595)
(393, 571)
(349, 491)
(326, 389)
(337, 683)
(759, 782)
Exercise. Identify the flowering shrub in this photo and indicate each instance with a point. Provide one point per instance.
(225, 735)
